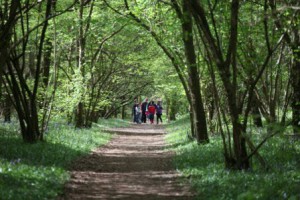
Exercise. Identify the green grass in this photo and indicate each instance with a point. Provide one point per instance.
(116, 123)
(204, 166)
(39, 171)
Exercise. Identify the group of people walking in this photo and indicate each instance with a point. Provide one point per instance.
(144, 111)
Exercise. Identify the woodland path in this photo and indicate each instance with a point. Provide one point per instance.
(134, 165)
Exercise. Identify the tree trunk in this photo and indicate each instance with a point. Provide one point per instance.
(47, 61)
(256, 113)
(239, 161)
(116, 113)
(81, 54)
(30, 130)
(79, 116)
(7, 108)
(257, 117)
(199, 119)
(172, 110)
(123, 112)
(25, 107)
(272, 111)
(192, 123)
(296, 91)
(91, 118)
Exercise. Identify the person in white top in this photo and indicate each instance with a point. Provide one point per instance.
(138, 113)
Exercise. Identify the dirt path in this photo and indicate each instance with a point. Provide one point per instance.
(132, 166)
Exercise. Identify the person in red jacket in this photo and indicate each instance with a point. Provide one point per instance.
(151, 110)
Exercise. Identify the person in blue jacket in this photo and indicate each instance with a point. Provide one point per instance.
(159, 110)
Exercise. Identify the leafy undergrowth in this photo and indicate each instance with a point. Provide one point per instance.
(38, 171)
(204, 167)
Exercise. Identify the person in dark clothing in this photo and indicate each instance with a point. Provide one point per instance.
(144, 109)
(134, 112)
(159, 109)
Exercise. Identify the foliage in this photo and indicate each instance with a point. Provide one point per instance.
(115, 64)
(38, 171)
(204, 167)
(100, 57)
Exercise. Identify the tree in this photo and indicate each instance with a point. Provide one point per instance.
(25, 98)
(241, 63)
(22, 80)
(229, 79)
(179, 59)
(287, 21)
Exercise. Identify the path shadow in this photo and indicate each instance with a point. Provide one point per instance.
(118, 163)
(38, 154)
(132, 166)
(133, 186)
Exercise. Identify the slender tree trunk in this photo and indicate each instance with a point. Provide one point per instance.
(172, 114)
(256, 113)
(172, 109)
(192, 123)
(199, 119)
(296, 91)
(116, 113)
(81, 48)
(272, 111)
(79, 116)
(123, 112)
(7, 108)
(167, 107)
(47, 61)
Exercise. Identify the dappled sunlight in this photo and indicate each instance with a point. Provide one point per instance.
(132, 166)
(139, 130)
(134, 185)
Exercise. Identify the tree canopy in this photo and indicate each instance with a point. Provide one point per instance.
(226, 64)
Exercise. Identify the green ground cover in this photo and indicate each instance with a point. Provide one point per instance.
(203, 165)
(39, 171)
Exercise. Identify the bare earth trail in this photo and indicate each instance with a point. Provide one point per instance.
(134, 165)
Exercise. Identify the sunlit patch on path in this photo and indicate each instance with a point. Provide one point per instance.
(132, 166)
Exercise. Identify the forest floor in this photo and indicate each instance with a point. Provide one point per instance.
(134, 165)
